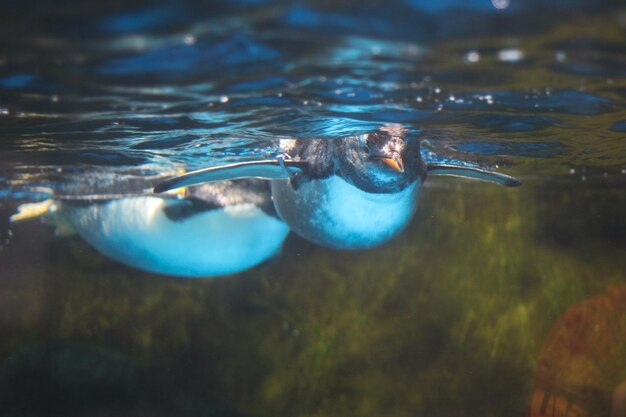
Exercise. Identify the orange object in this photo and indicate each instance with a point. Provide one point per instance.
(582, 366)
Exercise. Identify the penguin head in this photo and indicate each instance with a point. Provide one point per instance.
(382, 161)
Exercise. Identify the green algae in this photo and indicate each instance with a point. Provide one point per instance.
(447, 319)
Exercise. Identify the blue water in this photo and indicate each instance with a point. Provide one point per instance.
(447, 316)
(192, 85)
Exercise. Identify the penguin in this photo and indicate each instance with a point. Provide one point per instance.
(356, 192)
(208, 230)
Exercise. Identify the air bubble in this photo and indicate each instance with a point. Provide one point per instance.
(472, 57)
(510, 55)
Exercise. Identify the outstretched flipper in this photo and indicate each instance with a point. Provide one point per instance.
(473, 173)
(268, 169)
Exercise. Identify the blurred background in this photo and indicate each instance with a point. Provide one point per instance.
(493, 302)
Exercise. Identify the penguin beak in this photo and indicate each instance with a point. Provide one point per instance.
(394, 163)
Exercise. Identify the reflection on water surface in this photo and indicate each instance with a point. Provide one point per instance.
(485, 300)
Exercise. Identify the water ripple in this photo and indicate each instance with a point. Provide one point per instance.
(180, 85)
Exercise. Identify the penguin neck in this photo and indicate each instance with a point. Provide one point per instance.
(320, 155)
(367, 176)
(344, 158)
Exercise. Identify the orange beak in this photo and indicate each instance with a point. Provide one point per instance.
(395, 164)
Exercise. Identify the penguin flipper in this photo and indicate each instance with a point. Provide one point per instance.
(266, 169)
(473, 173)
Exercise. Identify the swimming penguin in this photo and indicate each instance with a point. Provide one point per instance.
(213, 229)
(350, 193)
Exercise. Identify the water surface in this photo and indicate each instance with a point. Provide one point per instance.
(493, 301)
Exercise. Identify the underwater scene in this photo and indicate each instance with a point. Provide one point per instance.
(261, 208)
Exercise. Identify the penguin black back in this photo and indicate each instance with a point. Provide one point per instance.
(211, 196)
(319, 154)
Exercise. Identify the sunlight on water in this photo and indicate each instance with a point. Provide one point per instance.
(474, 299)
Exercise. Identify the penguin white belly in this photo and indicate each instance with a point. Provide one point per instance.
(137, 232)
(333, 213)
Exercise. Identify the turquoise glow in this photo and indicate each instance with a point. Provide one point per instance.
(336, 214)
(136, 232)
